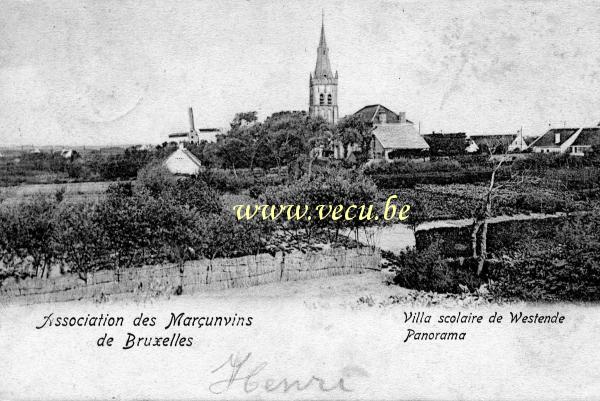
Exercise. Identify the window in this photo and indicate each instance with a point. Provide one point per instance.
(329, 99)
(321, 99)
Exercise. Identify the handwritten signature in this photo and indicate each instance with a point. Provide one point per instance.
(244, 373)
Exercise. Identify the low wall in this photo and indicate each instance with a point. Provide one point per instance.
(148, 281)
(456, 241)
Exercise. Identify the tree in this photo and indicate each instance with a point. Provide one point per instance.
(327, 187)
(243, 119)
(79, 239)
(354, 130)
(233, 151)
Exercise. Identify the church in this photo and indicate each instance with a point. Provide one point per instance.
(393, 136)
(323, 85)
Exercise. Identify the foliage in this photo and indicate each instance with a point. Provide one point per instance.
(427, 270)
(561, 266)
(354, 129)
(327, 187)
(80, 242)
(26, 233)
(549, 260)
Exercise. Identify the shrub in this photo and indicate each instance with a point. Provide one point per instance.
(326, 187)
(224, 181)
(563, 265)
(26, 232)
(427, 271)
(80, 242)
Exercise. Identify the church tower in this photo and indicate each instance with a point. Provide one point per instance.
(323, 85)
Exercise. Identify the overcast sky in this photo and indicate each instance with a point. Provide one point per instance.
(103, 72)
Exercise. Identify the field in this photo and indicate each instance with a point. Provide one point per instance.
(73, 192)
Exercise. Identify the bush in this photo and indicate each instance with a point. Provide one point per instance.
(427, 271)
(26, 231)
(224, 181)
(547, 261)
(563, 265)
(326, 187)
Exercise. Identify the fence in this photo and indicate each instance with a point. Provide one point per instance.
(149, 281)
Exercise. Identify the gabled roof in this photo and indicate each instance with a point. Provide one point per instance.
(399, 136)
(183, 151)
(368, 113)
(548, 140)
(192, 157)
(588, 137)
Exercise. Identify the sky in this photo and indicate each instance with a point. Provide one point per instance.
(124, 72)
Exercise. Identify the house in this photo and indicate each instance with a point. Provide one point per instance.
(575, 141)
(446, 144)
(520, 143)
(182, 161)
(487, 143)
(392, 141)
(585, 141)
(379, 114)
(69, 154)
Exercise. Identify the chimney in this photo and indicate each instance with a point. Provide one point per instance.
(191, 113)
(557, 138)
(402, 117)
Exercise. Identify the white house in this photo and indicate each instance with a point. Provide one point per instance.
(519, 143)
(182, 161)
(575, 141)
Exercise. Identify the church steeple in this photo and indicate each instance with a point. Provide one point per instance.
(323, 68)
(323, 84)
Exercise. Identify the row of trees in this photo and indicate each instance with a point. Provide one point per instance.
(156, 219)
(161, 218)
(283, 139)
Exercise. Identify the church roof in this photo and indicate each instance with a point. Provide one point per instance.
(323, 68)
(399, 136)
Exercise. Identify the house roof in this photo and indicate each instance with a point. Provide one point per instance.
(369, 112)
(191, 156)
(399, 136)
(504, 138)
(181, 150)
(548, 140)
(530, 139)
(588, 137)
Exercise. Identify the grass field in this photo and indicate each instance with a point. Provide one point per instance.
(74, 192)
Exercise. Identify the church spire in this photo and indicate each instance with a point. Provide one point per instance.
(323, 42)
(323, 68)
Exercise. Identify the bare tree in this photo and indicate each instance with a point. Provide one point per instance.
(484, 212)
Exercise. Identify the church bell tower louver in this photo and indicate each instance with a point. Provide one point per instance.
(323, 85)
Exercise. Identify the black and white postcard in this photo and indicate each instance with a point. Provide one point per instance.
(307, 200)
